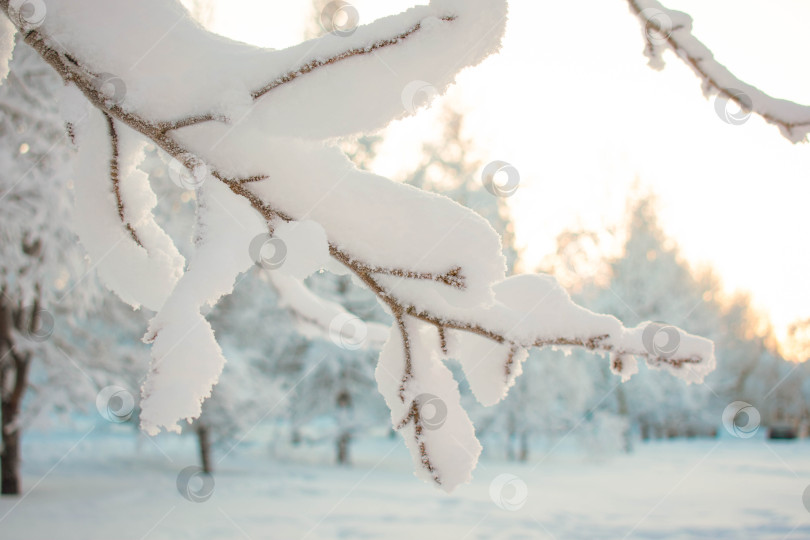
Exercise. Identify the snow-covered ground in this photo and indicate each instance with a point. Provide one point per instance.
(97, 484)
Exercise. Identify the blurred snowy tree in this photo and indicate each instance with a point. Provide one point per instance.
(40, 265)
(549, 402)
(798, 341)
(336, 386)
(649, 280)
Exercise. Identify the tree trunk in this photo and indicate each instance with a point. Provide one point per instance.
(645, 431)
(204, 440)
(10, 454)
(344, 417)
(13, 367)
(295, 437)
(511, 433)
(343, 441)
(524, 446)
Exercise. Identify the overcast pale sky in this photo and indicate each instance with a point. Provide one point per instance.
(572, 105)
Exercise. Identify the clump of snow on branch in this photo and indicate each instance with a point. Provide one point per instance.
(534, 310)
(326, 102)
(142, 274)
(489, 367)
(383, 223)
(186, 359)
(623, 366)
(306, 249)
(428, 408)
(669, 29)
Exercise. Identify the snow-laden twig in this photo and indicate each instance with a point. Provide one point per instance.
(435, 265)
(669, 29)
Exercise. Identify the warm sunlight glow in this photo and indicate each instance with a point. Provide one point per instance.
(571, 103)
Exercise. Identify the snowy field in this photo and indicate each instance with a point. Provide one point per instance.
(88, 485)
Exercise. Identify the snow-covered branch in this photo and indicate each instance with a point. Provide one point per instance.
(297, 72)
(669, 29)
(263, 167)
(319, 317)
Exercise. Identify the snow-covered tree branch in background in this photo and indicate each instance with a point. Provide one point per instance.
(669, 29)
(252, 129)
(318, 317)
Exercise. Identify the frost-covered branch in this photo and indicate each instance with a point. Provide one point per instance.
(665, 28)
(260, 161)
